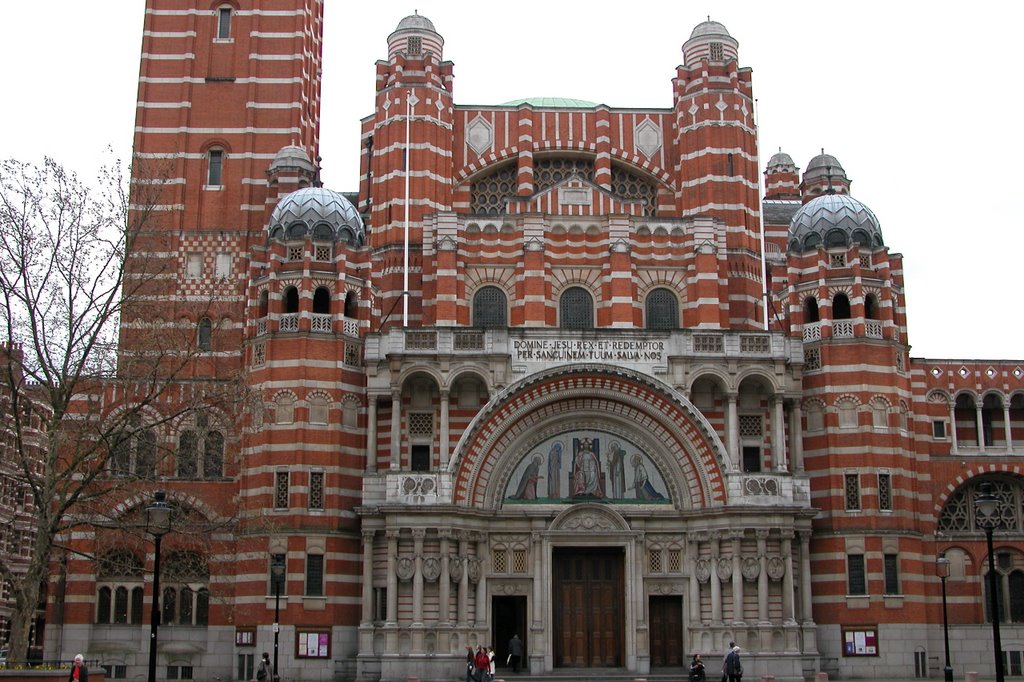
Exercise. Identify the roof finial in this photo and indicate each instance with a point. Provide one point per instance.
(709, 17)
(317, 182)
(416, 12)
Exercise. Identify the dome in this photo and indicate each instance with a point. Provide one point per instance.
(781, 162)
(318, 213)
(824, 165)
(416, 22)
(551, 103)
(709, 28)
(833, 220)
(292, 157)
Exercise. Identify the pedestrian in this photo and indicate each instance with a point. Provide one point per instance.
(470, 664)
(725, 675)
(482, 664)
(79, 671)
(696, 669)
(490, 664)
(515, 652)
(265, 670)
(733, 666)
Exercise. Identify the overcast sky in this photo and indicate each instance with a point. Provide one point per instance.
(920, 102)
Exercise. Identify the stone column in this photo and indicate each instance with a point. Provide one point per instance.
(716, 587)
(417, 578)
(807, 605)
(779, 436)
(692, 553)
(481, 583)
(979, 422)
(788, 614)
(1006, 427)
(762, 576)
(371, 435)
(463, 605)
(953, 447)
(396, 429)
(392, 614)
(737, 577)
(444, 429)
(796, 436)
(367, 577)
(734, 433)
(444, 587)
(537, 547)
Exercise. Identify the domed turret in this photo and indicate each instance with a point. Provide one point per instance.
(824, 175)
(415, 37)
(292, 158)
(711, 41)
(782, 177)
(318, 213)
(833, 220)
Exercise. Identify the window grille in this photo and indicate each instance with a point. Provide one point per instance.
(489, 195)
(295, 252)
(420, 340)
(316, 490)
(812, 359)
(885, 492)
(519, 561)
(900, 361)
(654, 564)
(852, 489)
(632, 187)
(675, 561)
(754, 344)
(259, 355)
(837, 260)
(490, 307)
(322, 253)
(421, 424)
(751, 426)
(662, 310)
(314, 575)
(716, 52)
(467, 340)
(281, 490)
(499, 559)
(352, 355)
(551, 171)
(707, 343)
(857, 579)
(415, 45)
(577, 309)
(891, 565)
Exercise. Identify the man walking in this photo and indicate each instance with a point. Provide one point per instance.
(515, 652)
(732, 665)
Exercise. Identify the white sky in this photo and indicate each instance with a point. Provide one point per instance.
(918, 100)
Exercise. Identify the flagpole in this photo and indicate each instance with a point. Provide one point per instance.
(405, 261)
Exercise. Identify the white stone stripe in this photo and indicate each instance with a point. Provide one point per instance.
(697, 210)
(168, 57)
(164, 105)
(245, 81)
(293, 34)
(213, 12)
(218, 131)
(275, 57)
(413, 174)
(170, 34)
(717, 151)
(156, 207)
(400, 146)
(273, 105)
(198, 156)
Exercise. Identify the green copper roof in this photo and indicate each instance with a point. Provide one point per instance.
(551, 102)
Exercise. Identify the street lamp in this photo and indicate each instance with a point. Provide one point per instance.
(277, 575)
(942, 570)
(986, 504)
(158, 523)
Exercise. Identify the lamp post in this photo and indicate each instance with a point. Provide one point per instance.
(942, 570)
(986, 506)
(277, 575)
(158, 523)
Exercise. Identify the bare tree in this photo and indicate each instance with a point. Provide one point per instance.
(75, 411)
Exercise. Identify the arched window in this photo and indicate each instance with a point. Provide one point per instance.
(214, 167)
(291, 300)
(119, 588)
(811, 309)
(662, 310)
(322, 232)
(134, 450)
(490, 307)
(322, 301)
(205, 333)
(847, 414)
(186, 596)
(861, 238)
(285, 409)
(812, 241)
(199, 445)
(870, 307)
(264, 304)
(835, 238)
(351, 305)
(187, 465)
(841, 307)
(576, 309)
(213, 455)
(223, 23)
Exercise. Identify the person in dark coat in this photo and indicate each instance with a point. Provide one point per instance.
(79, 671)
(733, 668)
(697, 669)
(515, 652)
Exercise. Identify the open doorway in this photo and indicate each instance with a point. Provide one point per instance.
(508, 617)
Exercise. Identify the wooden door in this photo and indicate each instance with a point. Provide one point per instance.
(666, 621)
(587, 595)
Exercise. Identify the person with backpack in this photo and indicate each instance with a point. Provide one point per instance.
(265, 670)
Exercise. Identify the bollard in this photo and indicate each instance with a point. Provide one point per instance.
(821, 677)
(971, 677)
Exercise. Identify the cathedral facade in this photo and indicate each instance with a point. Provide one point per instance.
(556, 370)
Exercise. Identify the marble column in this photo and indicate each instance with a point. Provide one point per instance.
(396, 429)
(537, 547)
(735, 455)
(779, 436)
(762, 576)
(392, 610)
(417, 578)
(367, 577)
(371, 434)
(716, 586)
(444, 587)
(692, 554)
(481, 583)
(1007, 431)
(444, 430)
(788, 613)
(463, 615)
(737, 577)
(806, 602)
(954, 448)
(980, 423)
(796, 436)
